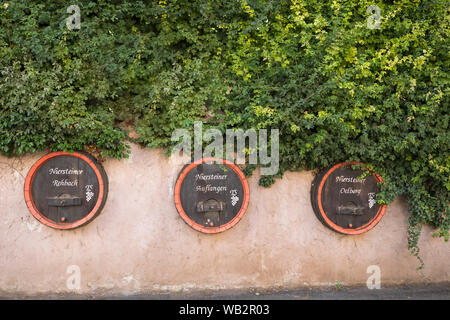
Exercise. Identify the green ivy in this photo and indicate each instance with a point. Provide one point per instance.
(336, 89)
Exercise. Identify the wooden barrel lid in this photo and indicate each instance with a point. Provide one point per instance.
(66, 190)
(211, 197)
(344, 199)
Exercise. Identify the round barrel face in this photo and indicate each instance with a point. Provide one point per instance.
(344, 199)
(211, 197)
(66, 190)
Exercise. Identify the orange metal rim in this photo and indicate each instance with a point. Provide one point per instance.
(230, 223)
(29, 198)
(372, 223)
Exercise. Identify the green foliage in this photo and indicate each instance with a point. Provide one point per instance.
(337, 90)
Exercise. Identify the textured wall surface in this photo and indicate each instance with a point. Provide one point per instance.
(139, 243)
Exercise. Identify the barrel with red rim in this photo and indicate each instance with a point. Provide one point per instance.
(344, 198)
(211, 196)
(66, 190)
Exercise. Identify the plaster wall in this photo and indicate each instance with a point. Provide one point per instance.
(139, 243)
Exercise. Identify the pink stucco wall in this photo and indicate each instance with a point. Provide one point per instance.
(139, 243)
